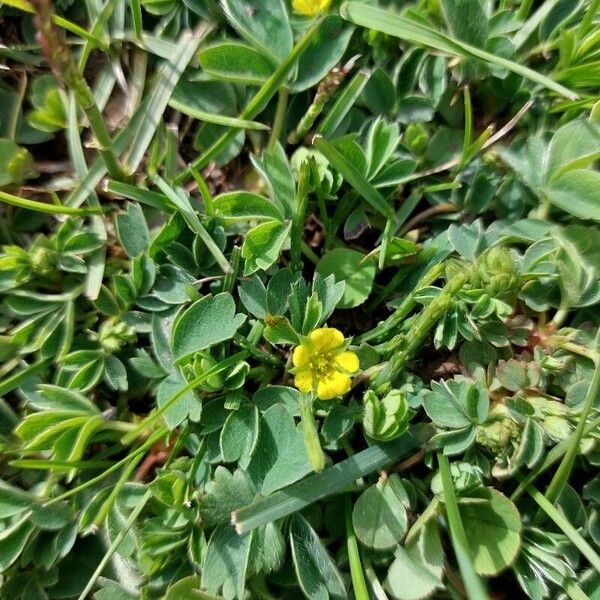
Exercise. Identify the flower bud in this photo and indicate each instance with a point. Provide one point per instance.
(386, 419)
(497, 273)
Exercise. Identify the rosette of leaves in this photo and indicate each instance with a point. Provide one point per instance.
(289, 306)
(457, 407)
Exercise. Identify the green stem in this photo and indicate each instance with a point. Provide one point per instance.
(415, 338)
(116, 489)
(230, 276)
(396, 318)
(314, 452)
(376, 587)
(359, 585)
(279, 120)
(116, 543)
(460, 543)
(50, 209)
(299, 216)
(309, 253)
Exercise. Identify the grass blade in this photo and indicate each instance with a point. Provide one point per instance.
(167, 78)
(344, 103)
(96, 262)
(359, 585)
(49, 209)
(208, 117)
(332, 480)
(473, 583)
(132, 192)
(417, 33)
(562, 522)
(354, 177)
(524, 32)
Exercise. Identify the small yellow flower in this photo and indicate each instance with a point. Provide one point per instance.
(310, 8)
(322, 362)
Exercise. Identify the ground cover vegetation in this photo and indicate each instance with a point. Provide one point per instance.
(299, 299)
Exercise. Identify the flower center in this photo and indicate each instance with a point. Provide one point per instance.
(322, 364)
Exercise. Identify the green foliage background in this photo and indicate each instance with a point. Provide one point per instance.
(189, 188)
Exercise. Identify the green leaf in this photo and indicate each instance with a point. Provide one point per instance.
(349, 267)
(575, 143)
(226, 561)
(323, 53)
(244, 206)
(13, 500)
(578, 193)
(279, 458)
(466, 20)
(417, 568)
(239, 435)
(317, 574)
(184, 589)
(207, 322)
(253, 295)
(188, 406)
(12, 541)
(53, 398)
(379, 515)
(234, 61)
(263, 244)
(275, 168)
(493, 529)
(264, 24)
(133, 231)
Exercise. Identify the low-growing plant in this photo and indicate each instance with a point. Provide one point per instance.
(299, 299)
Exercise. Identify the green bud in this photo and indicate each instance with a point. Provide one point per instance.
(113, 335)
(386, 419)
(497, 273)
(416, 137)
(41, 260)
(497, 435)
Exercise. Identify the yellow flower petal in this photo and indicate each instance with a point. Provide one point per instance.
(301, 356)
(348, 361)
(304, 381)
(326, 339)
(310, 7)
(337, 384)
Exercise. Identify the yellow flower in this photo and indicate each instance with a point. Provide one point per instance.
(322, 362)
(310, 8)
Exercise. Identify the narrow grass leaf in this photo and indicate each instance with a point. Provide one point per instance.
(167, 78)
(473, 584)
(417, 33)
(354, 177)
(208, 117)
(562, 522)
(343, 104)
(330, 481)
